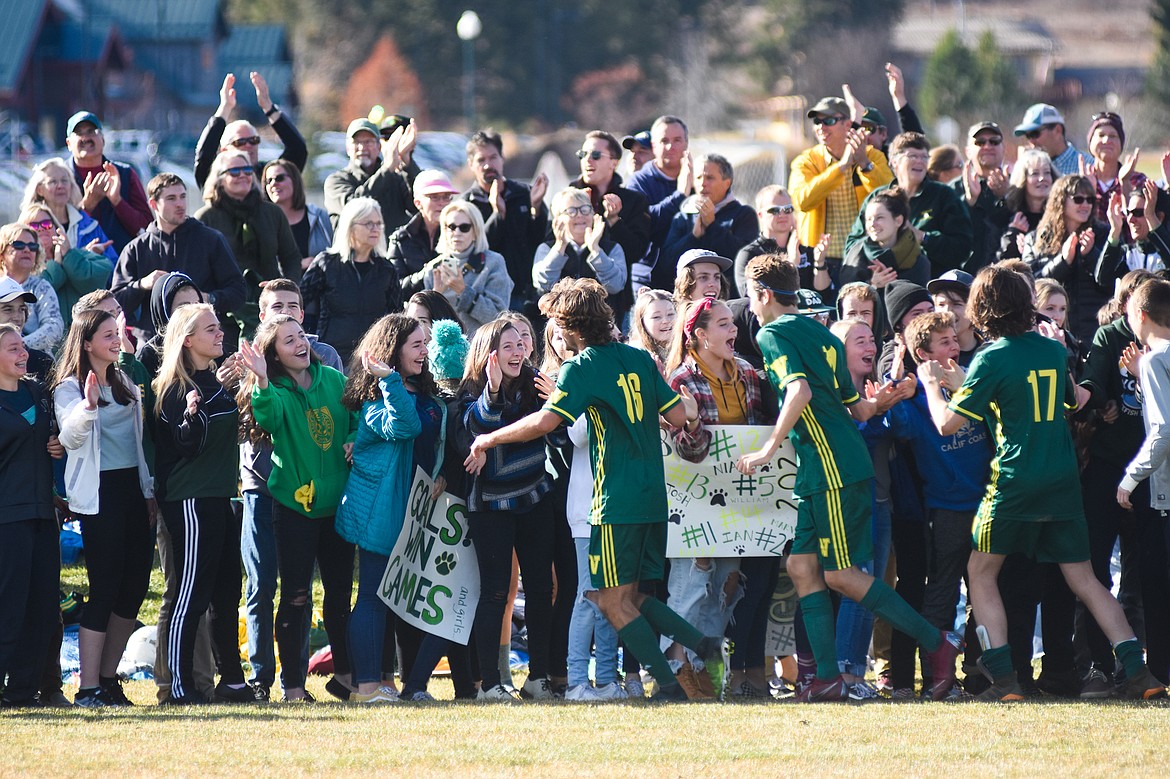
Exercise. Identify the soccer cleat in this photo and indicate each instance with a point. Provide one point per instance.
(696, 684)
(1143, 687)
(822, 691)
(380, 695)
(1096, 685)
(537, 690)
(498, 694)
(710, 648)
(942, 664)
(1005, 689)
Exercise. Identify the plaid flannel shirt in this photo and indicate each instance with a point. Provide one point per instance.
(693, 446)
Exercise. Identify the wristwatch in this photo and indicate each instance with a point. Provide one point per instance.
(272, 111)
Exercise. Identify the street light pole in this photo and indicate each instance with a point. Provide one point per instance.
(468, 29)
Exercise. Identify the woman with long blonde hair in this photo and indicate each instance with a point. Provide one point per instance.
(196, 476)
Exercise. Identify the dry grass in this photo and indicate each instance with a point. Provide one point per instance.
(606, 740)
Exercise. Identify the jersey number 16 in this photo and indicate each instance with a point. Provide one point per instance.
(632, 388)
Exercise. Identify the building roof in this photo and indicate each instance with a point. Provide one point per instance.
(158, 20)
(920, 35)
(18, 36)
(263, 48)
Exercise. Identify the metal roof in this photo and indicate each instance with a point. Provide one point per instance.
(161, 19)
(18, 35)
(920, 35)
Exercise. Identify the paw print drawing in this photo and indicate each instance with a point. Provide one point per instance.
(719, 498)
(676, 517)
(740, 549)
(765, 467)
(445, 563)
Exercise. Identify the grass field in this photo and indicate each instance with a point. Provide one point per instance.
(564, 739)
(772, 738)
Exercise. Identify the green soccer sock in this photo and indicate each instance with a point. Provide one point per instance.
(1129, 654)
(998, 661)
(663, 619)
(640, 639)
(821, 626)
(890, 606)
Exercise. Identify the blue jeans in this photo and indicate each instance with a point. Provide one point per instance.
(854, 623)
(588, 626)
(367, 623)
(258, 550)
(700, 597)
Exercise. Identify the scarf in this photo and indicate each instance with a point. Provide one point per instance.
(254, 241)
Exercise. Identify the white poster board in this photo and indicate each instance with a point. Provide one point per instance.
(432, 579)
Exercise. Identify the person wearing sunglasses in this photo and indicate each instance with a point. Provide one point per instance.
(256, 230)
(383, 169)
(474, 279)
(712, 219)
(415, 244)
(1066, 247)
(983, 184)
(220, 134)
(23, 261)
(1043, 128)
(829, 180)
(778, 235)
(626, 212)
(938, 219)
(1138, 238)
(580, 247)
(52, 186)
(73, 271)
(310, 223)
(352, 285)
(111, 192)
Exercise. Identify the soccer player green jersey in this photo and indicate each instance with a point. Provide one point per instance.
(830, 452)
(621, 391)
(1019, 385)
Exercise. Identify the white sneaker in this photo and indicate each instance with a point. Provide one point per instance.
(580, 692)
(380, 695)
(610, 692)
(537, 690)
(498, 694)
(634, 686)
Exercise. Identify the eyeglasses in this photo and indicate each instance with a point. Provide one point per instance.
(1080, 200)
(251, 140)
(1038, 174)
(991, 141)
(31, 246)
(1032, 135)
(777, 210)
(451, 227)
(921, 157)
(278, 178)
(235, 173)
(827, 121)
(370, 225)
(55, 182)
(44, 224)
(584, 210)
(440, 197)
(1105, 115)
(869, 128)
(1138, 212)
(593, 155)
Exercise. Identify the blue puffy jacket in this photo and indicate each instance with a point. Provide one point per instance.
(374, 503)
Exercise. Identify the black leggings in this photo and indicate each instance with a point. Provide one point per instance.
(496, 534)
(119, 550)
(300, 541)
(205, 547)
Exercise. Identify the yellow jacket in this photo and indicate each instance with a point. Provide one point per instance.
(815, 174)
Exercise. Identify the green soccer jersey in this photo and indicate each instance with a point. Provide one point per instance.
(830, 452)
(620, 390)
(1019, 385)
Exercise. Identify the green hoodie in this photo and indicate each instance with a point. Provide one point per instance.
(308, 429)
